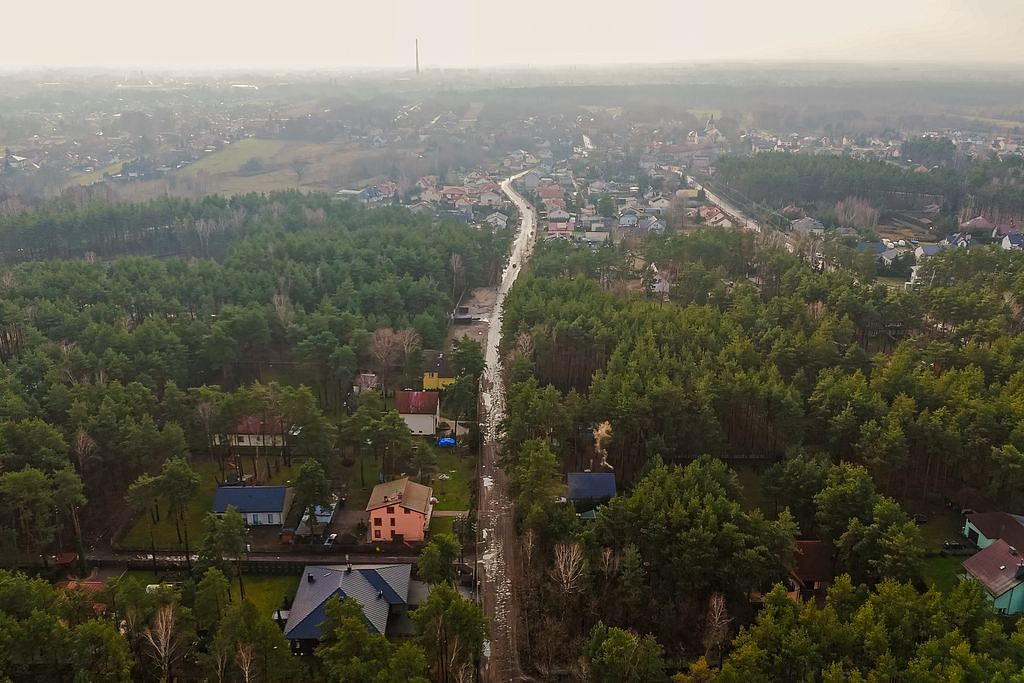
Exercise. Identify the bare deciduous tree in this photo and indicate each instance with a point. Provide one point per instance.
(385, 350)
(283, 309)
(524, 344)
(570, 564)
(855, 212)
(409, 341)
(163, 638)
(716, 626)
(244, 659)
(83, 446)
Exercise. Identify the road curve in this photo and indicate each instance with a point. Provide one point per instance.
(496, 523)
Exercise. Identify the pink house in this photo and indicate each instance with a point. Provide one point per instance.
(399, 510)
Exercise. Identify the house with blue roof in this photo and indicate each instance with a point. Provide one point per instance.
(382, 590)
(259, 505)
(587, 490)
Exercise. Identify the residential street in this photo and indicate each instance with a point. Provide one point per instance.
(496, 523)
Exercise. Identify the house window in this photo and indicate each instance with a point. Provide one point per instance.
(391, 509)
(392, 534)
(377, 521)
(376, 533)
(392, 521)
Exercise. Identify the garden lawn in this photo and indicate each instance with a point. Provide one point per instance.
(164, 535)
(441, 525)
(452, 493)
(941, 572)
(266, 592)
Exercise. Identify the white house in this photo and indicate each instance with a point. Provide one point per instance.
(420, 410)
(490, 199)
(497, 220)
(660, 204)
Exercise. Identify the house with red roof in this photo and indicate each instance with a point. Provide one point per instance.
(421, 410)
(253, 431)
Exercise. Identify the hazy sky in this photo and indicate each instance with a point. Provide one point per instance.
(353, 33)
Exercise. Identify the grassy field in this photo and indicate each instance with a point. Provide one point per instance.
(97, 175)
(357, 493)
(941, 572)
(231, 157)
(441, 525)
(164, 534)
(266, 592)
(452, 493)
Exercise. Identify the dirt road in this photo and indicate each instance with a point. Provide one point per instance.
(497, 528)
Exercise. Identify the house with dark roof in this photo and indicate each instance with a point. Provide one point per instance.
(1013, 242)
(999, 567)
(957, 239)
(259, 505)
(419, 409)
(926, 250)
(382, 590)
(984, 528)
(253, 431)
(812, 569)
(399, 510)
(587, 490)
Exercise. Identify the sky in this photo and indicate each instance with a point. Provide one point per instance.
(258, 34)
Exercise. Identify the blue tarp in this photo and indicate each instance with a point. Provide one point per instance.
(446, 442)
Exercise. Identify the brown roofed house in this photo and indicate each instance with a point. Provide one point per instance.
(1000, 569)
(399, 511)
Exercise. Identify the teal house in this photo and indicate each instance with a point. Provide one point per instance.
(999, 567)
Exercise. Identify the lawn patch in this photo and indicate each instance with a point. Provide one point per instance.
(441, 525)
(452, 493)
(941, 572)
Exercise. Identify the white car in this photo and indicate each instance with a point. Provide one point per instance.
(329, 541)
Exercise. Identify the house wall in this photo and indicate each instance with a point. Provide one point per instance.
(384, 525)
(263, 518)
(1011, 602)
(434, 381)
(250, 440)
(421, 424)
(978, 538)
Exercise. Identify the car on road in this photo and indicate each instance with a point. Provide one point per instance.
(329, 541)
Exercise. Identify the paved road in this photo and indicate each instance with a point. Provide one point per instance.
(728, 207)
(496, 524)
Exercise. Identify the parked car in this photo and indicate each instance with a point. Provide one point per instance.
(920, 518)
(953, 545)
(329, 541)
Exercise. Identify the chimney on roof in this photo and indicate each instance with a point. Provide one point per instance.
(380, 594)
(1019, 574)
(310, 578)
